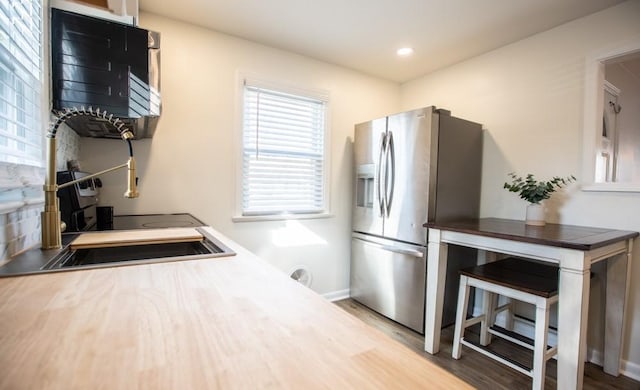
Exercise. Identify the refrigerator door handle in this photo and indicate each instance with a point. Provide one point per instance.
(392, 248)
(381, 167)
(403, 251)
(391, 157)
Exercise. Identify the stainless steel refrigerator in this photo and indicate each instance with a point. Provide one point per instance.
(413, 167)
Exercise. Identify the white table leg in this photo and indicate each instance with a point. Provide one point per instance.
(573, 307)
(617, 288)
(436, 275)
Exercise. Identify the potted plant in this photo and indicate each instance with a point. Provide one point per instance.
(534, 192)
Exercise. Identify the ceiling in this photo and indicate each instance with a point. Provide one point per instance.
(364, 34)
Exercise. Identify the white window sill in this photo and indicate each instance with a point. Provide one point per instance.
(279, 217)
(611, 187)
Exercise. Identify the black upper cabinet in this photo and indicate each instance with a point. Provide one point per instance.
(101, 64)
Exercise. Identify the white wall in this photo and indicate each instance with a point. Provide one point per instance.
(529, 97)
(188, 166)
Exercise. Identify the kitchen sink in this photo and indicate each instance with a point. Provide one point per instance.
(131, 254)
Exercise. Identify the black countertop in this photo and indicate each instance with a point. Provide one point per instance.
(154, 221)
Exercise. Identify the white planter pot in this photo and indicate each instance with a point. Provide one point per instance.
(535, 215)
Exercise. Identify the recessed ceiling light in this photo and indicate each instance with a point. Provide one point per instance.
(404, 52)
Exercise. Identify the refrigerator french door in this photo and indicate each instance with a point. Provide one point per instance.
(413, 167)
(393, 159)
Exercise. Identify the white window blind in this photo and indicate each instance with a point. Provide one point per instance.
(283, 153)
(20, 82)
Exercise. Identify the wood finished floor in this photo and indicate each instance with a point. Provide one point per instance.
(477, 369)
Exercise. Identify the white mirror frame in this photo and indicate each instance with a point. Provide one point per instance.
(592, 115)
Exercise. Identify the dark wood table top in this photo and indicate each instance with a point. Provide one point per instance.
(565, 236)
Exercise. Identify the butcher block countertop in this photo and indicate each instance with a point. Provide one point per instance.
(135, 237)
(224, 323)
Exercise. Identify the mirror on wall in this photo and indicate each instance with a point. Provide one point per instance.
(612, 120)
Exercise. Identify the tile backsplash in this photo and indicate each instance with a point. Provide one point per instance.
(22, 198)
(68, 147)
(19, 230)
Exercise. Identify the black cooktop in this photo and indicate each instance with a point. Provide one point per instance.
(153, 221)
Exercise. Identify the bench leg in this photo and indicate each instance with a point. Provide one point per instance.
(461, 317)
(489, 302)
(509, 314)
(540, 346)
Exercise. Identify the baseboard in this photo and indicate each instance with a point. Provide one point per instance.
(627, 368)
(630, 369)
(595, 356)
(336, 295)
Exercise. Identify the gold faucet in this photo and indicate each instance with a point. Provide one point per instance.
(52, 226)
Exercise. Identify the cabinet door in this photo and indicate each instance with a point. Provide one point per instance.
(99, 63)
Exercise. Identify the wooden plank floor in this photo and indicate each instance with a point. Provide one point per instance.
(477, 369)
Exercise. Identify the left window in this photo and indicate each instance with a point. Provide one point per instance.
(21, 133)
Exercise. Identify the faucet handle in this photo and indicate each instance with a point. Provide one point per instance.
(132, 180)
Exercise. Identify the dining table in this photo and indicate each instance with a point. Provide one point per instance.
(574, 249)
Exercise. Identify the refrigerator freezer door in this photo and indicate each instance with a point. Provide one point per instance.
(368, 208)
(389, 277)
(411, 174)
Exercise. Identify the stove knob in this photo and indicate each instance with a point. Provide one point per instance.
(97, 182)
(83, 185)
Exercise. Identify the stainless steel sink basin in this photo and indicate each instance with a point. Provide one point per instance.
(138, 254)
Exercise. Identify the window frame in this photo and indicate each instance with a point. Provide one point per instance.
(244, 79)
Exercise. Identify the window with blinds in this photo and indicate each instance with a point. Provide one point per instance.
(283, 167)
(20, 82)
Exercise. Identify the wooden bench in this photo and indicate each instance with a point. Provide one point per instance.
(518, 279)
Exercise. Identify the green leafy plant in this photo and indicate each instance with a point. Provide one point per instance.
(535, 191)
